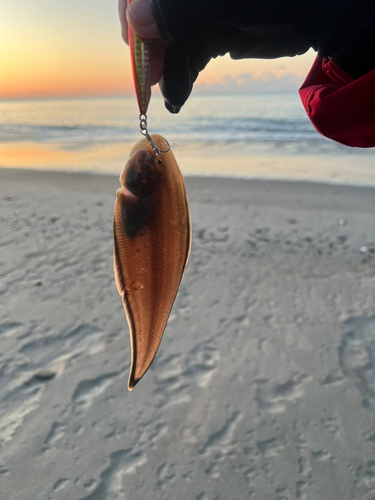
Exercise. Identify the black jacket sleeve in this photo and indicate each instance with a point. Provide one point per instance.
(199, 30)
(186, 57)
(179, 18)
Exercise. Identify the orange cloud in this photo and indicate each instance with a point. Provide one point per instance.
(222, 67)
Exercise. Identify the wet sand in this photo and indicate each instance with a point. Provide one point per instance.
(247, 160)
(264, 384)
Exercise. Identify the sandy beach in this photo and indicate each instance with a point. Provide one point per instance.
(264, 385)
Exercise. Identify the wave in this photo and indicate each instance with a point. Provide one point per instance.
(256, 123)
(208, 130)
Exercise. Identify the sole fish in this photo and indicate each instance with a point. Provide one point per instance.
(152, 236)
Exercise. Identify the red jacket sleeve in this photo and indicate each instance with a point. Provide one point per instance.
(340, 108)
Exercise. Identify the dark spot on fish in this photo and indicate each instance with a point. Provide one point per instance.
(137, 216)
(133, 181)
(142, 178)
(140, 174)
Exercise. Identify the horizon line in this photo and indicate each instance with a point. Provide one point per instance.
(126, 95)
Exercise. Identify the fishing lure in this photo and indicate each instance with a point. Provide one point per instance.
(152, 230)
(140, 58)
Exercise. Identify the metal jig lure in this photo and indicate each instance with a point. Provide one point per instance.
(140, 58)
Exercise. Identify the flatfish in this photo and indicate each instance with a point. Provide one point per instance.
(152, 236)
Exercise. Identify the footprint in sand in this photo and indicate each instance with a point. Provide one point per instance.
(202, 361)
(174, 374)
(223, 435)
(110, 486)
(269, 447)
(220, 442)
(55, 434)
(357, 356)
(8, 329)
(70, 341)
(274, 397)
(60, 484)
(87, 390)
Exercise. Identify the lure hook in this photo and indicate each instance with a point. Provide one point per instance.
(144, 131)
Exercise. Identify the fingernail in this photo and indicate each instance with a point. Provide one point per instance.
(141, 13)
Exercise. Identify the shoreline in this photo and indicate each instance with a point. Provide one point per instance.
(8, 173)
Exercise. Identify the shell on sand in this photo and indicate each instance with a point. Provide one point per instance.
(152, 236)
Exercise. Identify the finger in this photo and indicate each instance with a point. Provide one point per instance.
(141, 19)
(176, 82)
(122, 6)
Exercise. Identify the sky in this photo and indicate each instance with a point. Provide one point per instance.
(50, 48)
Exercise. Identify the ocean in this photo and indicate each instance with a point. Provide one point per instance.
(251, 136)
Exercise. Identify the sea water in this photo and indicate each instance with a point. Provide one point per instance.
(252, 136)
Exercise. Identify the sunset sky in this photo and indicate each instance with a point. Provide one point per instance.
(73, 48)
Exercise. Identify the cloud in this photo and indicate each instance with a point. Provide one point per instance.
(247, 83)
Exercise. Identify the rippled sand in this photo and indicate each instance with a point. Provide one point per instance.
(264, 385)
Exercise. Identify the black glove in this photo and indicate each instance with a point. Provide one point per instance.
(199, 30)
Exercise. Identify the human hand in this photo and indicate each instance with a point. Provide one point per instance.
(138, 15)
(177, 87)
(199, 30)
